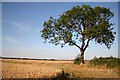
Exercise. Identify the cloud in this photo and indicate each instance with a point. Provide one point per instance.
(18, 25)
(12, 40)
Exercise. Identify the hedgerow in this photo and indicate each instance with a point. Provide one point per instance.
(108, 62)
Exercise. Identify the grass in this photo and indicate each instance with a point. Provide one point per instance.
(14, 68)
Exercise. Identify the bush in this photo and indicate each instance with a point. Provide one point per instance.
(108, 62)
(77, 60)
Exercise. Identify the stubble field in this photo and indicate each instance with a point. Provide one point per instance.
(16, 68)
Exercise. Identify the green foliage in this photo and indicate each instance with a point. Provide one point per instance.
(78, 25)
(77, 60)
(109, 62)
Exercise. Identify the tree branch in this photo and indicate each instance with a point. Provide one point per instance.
(76, 45)
(87, 44)
(83, 43)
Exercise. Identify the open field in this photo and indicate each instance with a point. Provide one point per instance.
(16, 68)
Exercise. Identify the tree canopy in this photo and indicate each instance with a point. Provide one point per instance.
(80, 24)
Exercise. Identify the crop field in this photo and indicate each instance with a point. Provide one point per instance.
(16, 68)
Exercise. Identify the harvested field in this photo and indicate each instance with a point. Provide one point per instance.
(15, 68)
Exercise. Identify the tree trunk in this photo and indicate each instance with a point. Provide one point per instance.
(82, 56)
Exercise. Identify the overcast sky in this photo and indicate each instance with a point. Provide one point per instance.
(22, 22)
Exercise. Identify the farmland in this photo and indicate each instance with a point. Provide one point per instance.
(16, 68)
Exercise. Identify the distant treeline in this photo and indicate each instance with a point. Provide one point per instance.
(34, 59)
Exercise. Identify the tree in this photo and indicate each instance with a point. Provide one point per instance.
(80, 25)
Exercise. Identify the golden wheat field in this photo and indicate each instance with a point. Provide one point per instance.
(16, 68)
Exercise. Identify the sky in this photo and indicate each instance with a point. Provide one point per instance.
(60, 0)
(23, 21)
